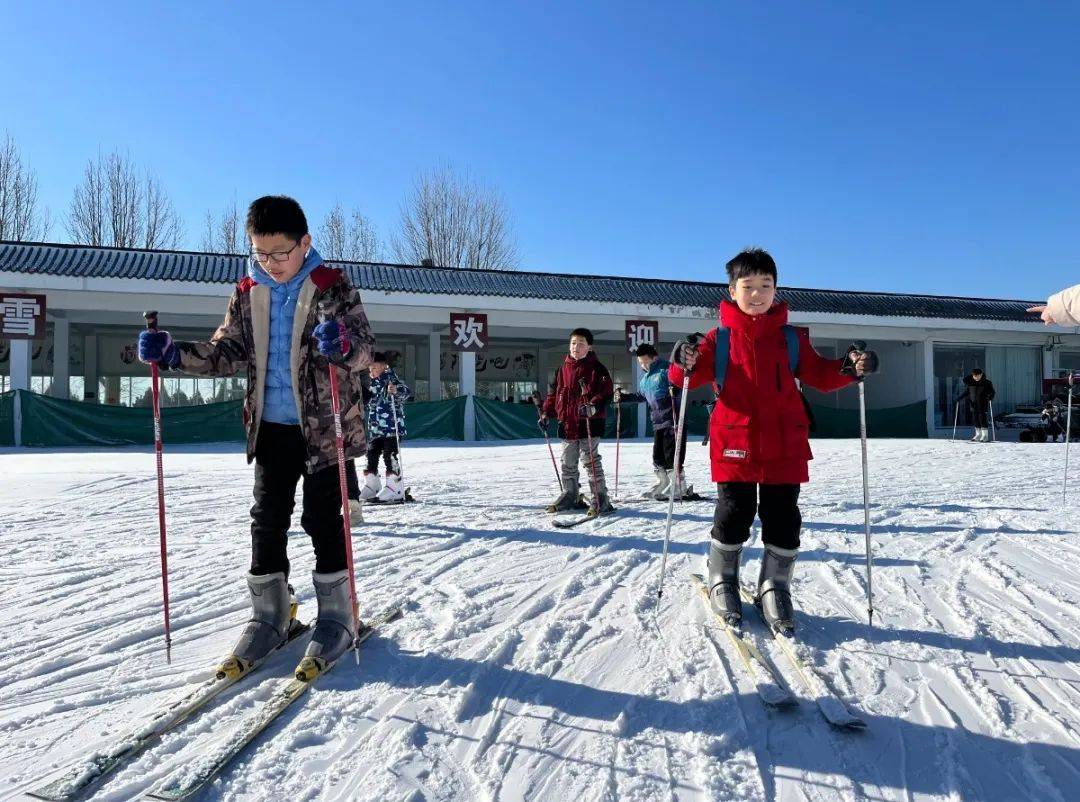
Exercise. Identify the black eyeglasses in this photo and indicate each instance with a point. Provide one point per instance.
(277, 256)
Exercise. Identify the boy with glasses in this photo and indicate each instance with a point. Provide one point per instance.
(287, 320)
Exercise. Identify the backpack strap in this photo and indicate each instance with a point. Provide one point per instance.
(721, 356)
(791, 335)
(723, 352)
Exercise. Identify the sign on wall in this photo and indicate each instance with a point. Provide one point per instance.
(468, 331)
(22, 317)
(495, 364)
(641, 332)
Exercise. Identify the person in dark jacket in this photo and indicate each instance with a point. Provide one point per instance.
(655, 390)
(578, 401)
(979, 392)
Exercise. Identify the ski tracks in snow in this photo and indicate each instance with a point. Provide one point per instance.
(534, 663)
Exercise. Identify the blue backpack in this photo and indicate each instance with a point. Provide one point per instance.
(723, 352)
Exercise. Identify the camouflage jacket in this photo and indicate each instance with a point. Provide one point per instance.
(242, 342)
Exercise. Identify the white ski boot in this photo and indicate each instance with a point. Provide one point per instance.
(369, 490)
(273, 617)
(659, 491)
(393, 490)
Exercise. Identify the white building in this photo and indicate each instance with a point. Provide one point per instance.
(96, 297)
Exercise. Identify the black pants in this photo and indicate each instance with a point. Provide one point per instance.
(386, 447)
(737, 503)
(280, 457)
(663, 449)
(980, 413)
(352, 484)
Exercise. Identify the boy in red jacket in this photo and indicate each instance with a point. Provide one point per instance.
(759, 430)
(578, 401)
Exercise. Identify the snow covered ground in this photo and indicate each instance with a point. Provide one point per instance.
(533, 663)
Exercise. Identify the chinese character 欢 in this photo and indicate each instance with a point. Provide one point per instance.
(468, 333)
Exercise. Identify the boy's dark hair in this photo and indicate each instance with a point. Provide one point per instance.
(583, 333)
(645, 350)
(976, 371)
(276, 214)
(380, 356)
(751, 262)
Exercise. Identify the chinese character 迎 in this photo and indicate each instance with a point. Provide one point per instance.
(642, 335)
(19, 316)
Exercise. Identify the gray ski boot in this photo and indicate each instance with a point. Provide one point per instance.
(334, 633)
(601, 505)
(569, 499)
(724, 561)
(774, 588)
(659, 491)
(272, 619)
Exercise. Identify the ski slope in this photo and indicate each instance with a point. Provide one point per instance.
(534, 663)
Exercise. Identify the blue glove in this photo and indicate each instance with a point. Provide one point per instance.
(331, 339)
(158, 347)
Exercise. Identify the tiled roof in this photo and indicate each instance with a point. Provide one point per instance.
(94, 262)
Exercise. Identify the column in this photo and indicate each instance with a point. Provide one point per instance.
(434, 366)
(467, 381)
(1047, 366)
(928, 384)
(19, 364)
(61, 352)
(90, 375)
(642, 409)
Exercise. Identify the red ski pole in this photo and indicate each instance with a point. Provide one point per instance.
(547, 437)
(346, 531)
(151, 325)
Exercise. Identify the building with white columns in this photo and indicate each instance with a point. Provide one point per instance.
(96, 297)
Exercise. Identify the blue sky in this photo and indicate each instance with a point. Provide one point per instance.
(910, 147)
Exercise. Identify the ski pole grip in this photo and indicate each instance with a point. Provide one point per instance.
(151, 319)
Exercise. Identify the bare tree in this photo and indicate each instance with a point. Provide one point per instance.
(20, 218)
(225, 233)
(456, 222)
(164, 228)
(352, 239)
(117, 206)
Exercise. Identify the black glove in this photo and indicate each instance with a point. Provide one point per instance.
(855, 352)
(684, 347)
(587, 410)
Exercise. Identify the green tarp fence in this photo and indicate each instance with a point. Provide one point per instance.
(7, 419)
(905, 421)
(436, 420)
(51, 422)
(498, 420)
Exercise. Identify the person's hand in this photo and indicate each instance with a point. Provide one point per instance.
(157, 347)
(392, 389)
(1043, 311)
(618, 396)
(330, 339)
(587, 410)
(864, 362)
(543, 419)
(688, 356)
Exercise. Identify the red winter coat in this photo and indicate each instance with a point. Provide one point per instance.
(565, 400)
(759, 430)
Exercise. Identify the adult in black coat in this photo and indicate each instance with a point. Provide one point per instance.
(979, 392)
